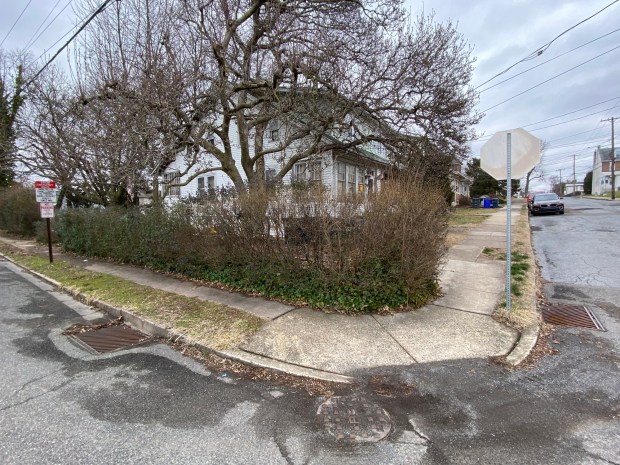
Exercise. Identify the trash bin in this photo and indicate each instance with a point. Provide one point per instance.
(475, 202)
(487, 203)
(495, 203)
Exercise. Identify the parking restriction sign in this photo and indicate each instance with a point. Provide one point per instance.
(47, 209)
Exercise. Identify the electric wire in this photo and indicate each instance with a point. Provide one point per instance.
(36, 37)
(16, 21)
(539, 51)
(552, 78)
(570, 120)
(66, 44)
(550, 60)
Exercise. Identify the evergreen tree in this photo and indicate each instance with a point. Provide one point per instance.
(587, 183)
(9, 106)
(484, 183)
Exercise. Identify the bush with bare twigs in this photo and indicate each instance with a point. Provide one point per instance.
(348, 253)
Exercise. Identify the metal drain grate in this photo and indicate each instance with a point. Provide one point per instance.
(354, 419)
(111, 338)
(571, 315)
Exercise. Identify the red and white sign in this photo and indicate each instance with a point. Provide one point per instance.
(45, 195)
(45, 184)
(45, 192)
(47, 209)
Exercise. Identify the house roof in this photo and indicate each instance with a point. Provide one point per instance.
(605, 153)
(360, 150)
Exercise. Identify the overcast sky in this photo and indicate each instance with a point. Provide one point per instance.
(501, 32)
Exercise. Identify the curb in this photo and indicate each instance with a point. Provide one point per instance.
(156, 330)
(523, 347)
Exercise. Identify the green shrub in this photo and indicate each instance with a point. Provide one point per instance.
(19, 210)
(351, 254)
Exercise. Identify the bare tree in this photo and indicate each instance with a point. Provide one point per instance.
(278, 81)
(96, 149)
(536, 172)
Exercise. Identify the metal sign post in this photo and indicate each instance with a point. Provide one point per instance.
(522, 154)
(508, 218)
(45, 192)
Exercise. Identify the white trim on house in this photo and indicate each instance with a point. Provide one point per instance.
(364, 168)
(460, 184)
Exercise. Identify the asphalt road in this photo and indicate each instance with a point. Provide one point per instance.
(61, 405)
(152, 405)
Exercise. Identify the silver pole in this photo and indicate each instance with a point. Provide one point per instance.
(508, 217)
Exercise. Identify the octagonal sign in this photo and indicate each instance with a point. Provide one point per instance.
(525, 154)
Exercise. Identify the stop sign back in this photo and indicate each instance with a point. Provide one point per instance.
(525, 154)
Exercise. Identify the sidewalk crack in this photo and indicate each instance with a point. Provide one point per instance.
(394, 339)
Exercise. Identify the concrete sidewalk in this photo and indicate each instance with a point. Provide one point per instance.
(458, 325)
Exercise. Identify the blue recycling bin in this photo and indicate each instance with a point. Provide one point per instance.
(495, 203)
(486, 203)
(475, 202)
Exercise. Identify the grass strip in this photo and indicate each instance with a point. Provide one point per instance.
(214, 325)
(523, 270)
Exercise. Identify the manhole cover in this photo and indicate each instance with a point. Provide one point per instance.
(354, 419)
(571, 315)
(110, 338)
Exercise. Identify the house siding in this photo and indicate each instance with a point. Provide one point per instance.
(601, 171)
(273, 161)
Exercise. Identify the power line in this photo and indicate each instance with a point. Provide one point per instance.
(570, 120)
(539, 51)
(550, 60)
(601, 139)
(66, 44)
(552, 78)
(36, 37)
(571, 112)
(18, 18)
(81, 22)
(559, 116)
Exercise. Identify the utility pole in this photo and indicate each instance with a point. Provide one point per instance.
(613, 160)
(561, 193)
(574, 178)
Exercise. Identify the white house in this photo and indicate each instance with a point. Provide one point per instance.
(573, 188)
(460, 183)
(601, 170)
(358, 170)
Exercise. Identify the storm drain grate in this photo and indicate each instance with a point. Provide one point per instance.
(354, 419)
(571, 315)
(111, 338)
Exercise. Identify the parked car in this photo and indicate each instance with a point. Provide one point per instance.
(547, 203)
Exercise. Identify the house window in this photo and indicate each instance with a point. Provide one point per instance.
(273, 130)
(315, 172)
(308, 172)
(172, 177)
(201, 186)
(211, 186)
(342, 177)
(350, 179)
(299, 172)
